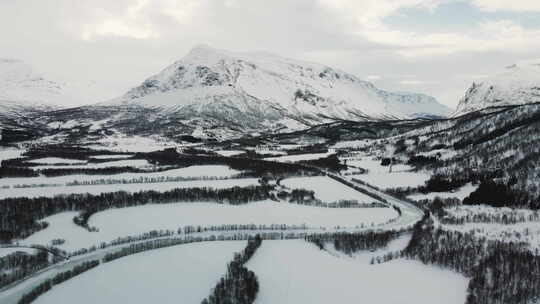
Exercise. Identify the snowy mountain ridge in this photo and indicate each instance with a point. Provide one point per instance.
(279, 87)
(517, 84)
(21, 86)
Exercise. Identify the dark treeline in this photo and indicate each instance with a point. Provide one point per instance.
(439, 183)
(421, 160)
(18, 265)
(58, 279)
(316, 148)
(7, 171)
(500, 272)
(67, 151)
(239, 285)
(350, 243)
(307, 197)
(169, 157)
(257, 166)
(507, 276)
(19, 216)
(498, 194)
(331, 162)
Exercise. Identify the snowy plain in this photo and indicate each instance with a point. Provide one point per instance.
(180, 274)
(377, 175)
(131, 221)
(134, 187)
(326, 189)
(295, 271)
(202, 171)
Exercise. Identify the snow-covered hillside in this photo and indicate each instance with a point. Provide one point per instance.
(22, 86)
(518, 84)
(215, 83)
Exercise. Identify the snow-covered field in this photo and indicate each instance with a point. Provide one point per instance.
(113, 156)
(97, 189)
(181, 274)
(326, 189)
(122, 143)
(6, 251)
(114, 223)
(460, 193)
(394, 179)
(217, 171)
(230, 152)
(56, 160)
(9, 153)
(295, 271)
(379, 176)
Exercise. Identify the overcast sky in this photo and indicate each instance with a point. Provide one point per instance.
(437, 47)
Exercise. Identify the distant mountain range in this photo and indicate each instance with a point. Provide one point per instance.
(22, 86)
(214, 94)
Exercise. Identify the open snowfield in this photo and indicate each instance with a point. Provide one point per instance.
(123, 143)
(217, 171)
(56, 160)
(326, 189)
(460, 193)
(114, 223)
(107, 156)
(6, 251)
(379, 176)
(98, 189)
(230, 152)
(181, 274)
(295, 271)
(385, 180)
(9, 153)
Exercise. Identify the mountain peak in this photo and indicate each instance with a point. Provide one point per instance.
(516, 84)
(308, 91)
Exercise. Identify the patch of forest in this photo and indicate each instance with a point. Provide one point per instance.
(239, 285)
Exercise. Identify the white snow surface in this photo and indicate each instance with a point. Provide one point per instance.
(198, 171)
(460, 193)
(229, 152)
(21, 84)
(6, 251)
(297, 88)
(56, 160)
(295, 271)
(9, 153)
(379, 176)
(98, 189)
(517, 84)
(326, 189)
(114, 223)
(114, 156)
(180, 274)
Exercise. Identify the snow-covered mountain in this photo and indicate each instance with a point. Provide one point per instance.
(214, 83)
(22, 87)
(518, 84)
